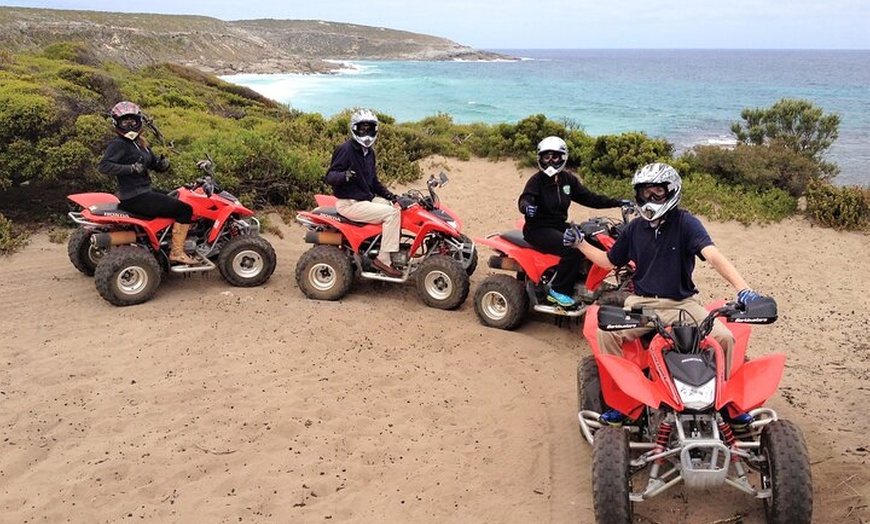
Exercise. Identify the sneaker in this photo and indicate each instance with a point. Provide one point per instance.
(612, 417)
(741, 422)
(560, 299)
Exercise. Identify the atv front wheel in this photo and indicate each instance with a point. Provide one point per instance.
(127, 276)
(442, 282)
(589, 396)
(611, 481)
(324, 273)
(247, 261)
(501, 302)
(83, 255)
(472, 265)
(787, 474)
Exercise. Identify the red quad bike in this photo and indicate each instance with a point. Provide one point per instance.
(675, 390)
(128, 254)
(502, 301)
(433, 250)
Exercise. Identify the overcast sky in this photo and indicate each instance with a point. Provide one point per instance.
(522, 24)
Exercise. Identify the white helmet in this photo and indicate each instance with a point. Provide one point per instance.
(657, 174)
(552, 144)
(365, 135)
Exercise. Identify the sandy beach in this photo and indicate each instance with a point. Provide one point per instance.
(215, 404)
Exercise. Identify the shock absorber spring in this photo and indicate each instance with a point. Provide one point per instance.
(662, 437)
(727, 434)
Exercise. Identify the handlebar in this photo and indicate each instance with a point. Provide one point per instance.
(415, 196)
(687, 332)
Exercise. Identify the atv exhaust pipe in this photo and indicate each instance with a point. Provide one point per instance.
(506, 263)
(115, 238)
(323, 237)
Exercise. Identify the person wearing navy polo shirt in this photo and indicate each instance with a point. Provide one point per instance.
(663, 243)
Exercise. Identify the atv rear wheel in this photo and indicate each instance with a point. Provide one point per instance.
(501, 302)
(127, 276)
(442, 282)
(787, 474)
(247, 261)
(324, 273)
(589, 396)
(83, 255)
(611, 479)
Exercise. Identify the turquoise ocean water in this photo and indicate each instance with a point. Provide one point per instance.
(685, 96)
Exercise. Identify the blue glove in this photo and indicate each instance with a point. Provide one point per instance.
(531, 210)
(744, 296)
(626, 203)
(572, 236)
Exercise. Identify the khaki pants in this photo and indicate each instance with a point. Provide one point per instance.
(610, 342)
(378, 211)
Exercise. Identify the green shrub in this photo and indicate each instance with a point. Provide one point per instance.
(619, 156)
(11, 240)
(764, 167)
(846, 208)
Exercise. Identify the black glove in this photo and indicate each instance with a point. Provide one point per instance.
(391, 197)
(349, 175)
(626, 203)
(138, 168)
(405, 201)
(162, 164)
(531, 210)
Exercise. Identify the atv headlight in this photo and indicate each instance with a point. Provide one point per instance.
(697, 397)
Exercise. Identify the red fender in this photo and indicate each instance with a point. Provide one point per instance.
(88, 199)
(325, 200)
(741, 334)
(754, 383)
(634, 389)
(533, 262)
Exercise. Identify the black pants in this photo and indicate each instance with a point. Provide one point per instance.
(154, 204)
(549, 240)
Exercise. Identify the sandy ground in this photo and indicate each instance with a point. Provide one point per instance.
(218, 404)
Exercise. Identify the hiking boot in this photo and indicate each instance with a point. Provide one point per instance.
(613, 418)
(386, 269)
(560, 299)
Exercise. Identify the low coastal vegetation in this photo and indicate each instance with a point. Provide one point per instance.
(53, 127)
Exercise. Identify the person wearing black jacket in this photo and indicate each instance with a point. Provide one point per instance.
(128, 157)
(360, 194)
(544, 202)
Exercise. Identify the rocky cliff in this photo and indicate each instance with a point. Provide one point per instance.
(221, 47)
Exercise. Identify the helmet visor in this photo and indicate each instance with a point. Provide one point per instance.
(656, 193)
(129, 123)
(550, 158)
(366, 129)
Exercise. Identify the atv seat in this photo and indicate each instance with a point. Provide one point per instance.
(516, 238)
(330, 211)
(112, 210)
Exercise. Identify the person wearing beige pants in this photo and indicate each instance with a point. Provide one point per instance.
(372, 212)
(360, 195)
(663, 243)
